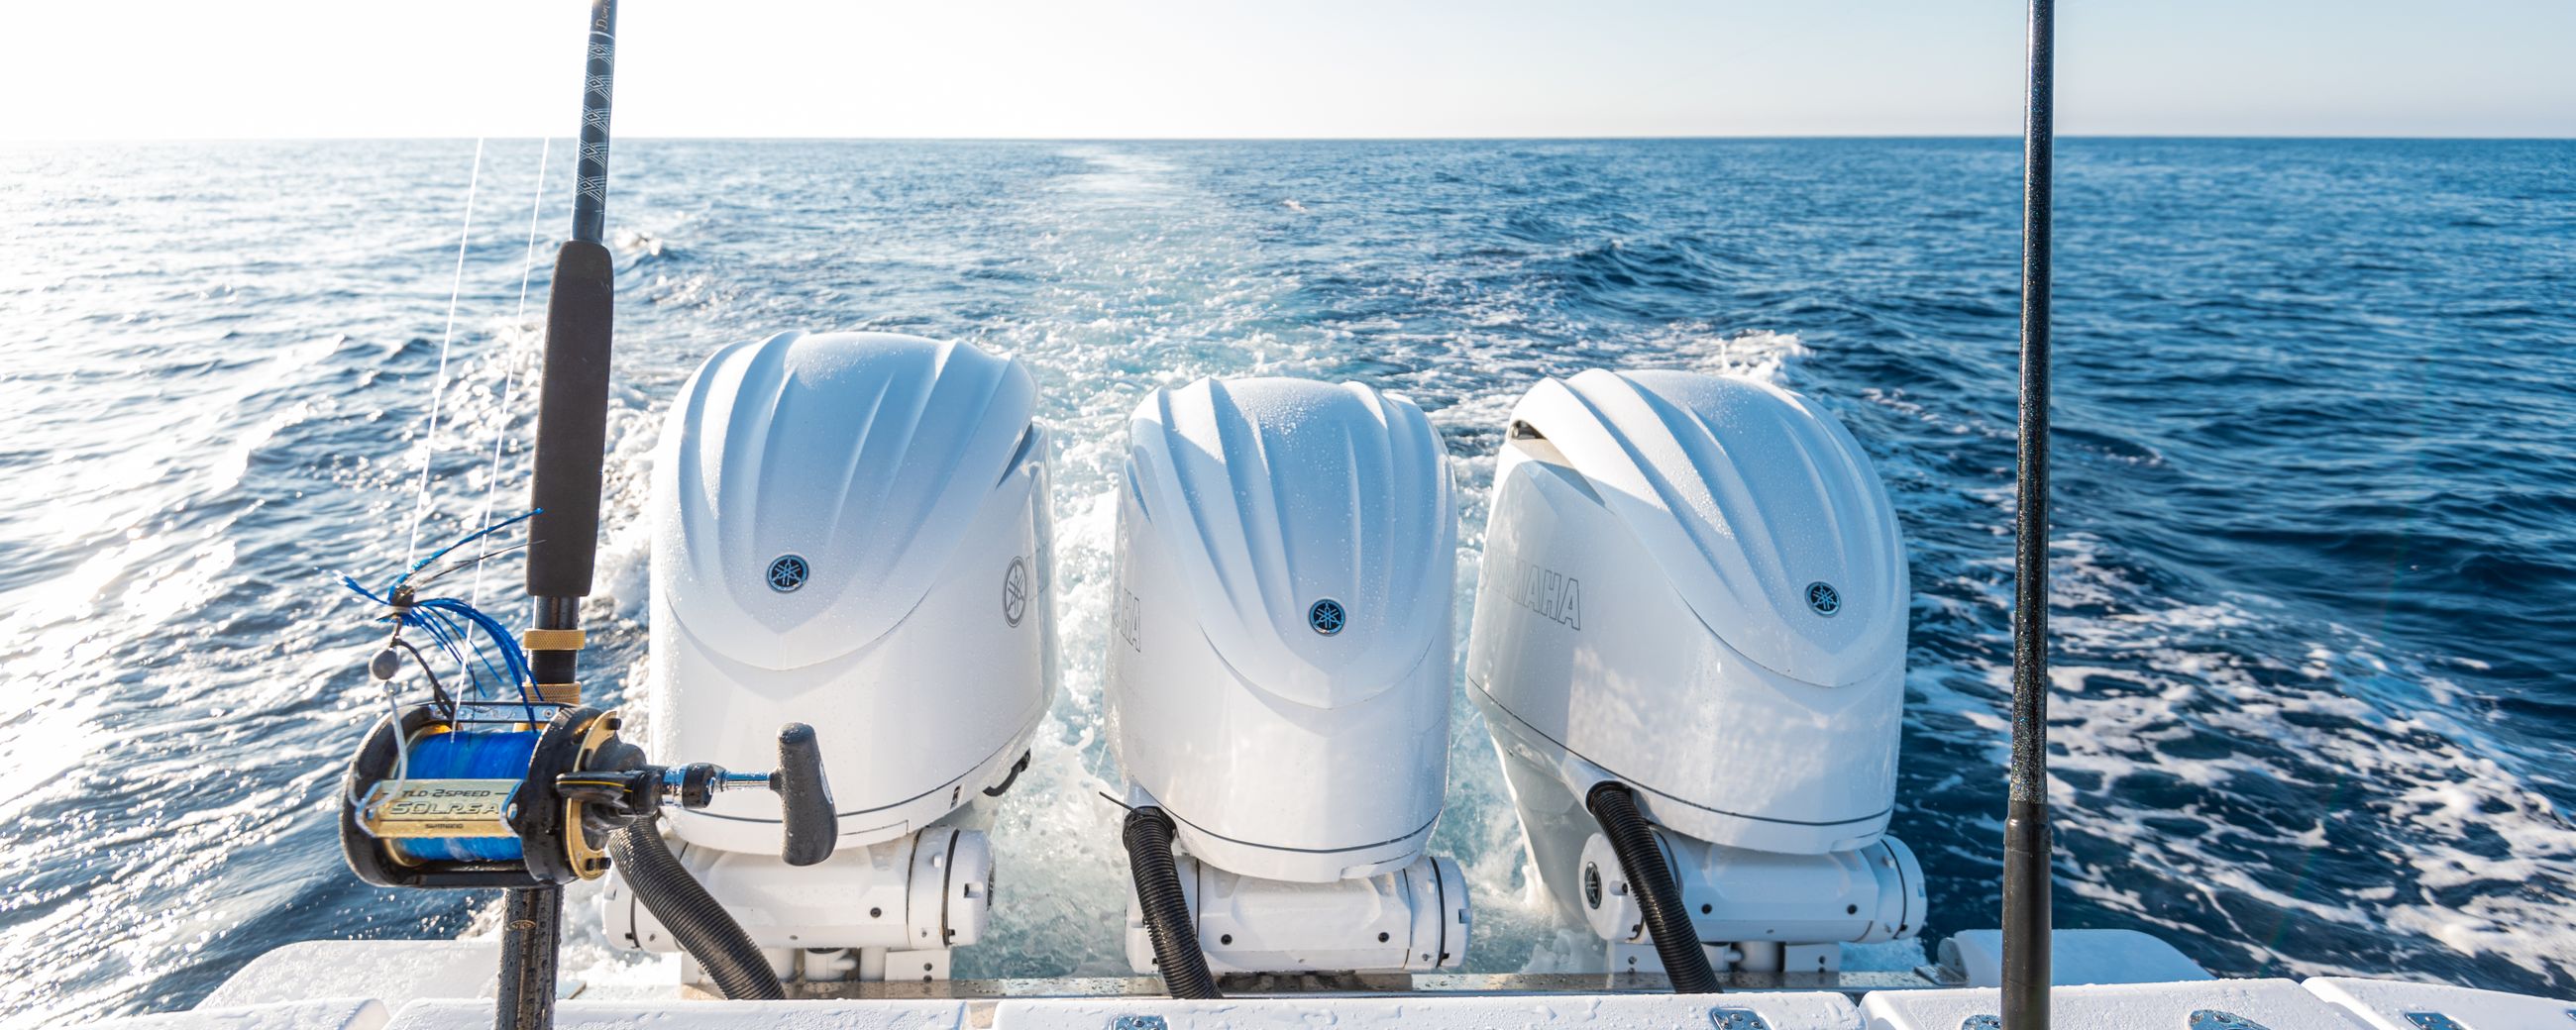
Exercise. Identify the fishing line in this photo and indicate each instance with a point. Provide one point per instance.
(429, 453)
(509, 370)
(462, 564)
(438, 386)
(468, 538)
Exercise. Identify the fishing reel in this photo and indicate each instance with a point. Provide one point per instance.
(526, 794)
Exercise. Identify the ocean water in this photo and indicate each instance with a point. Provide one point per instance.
(2316, 482)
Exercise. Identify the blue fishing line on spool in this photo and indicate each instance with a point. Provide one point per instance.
(467, 754)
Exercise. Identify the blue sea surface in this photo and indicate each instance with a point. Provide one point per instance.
(2315, 590)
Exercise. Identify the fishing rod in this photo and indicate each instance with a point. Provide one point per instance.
(572, 408)
(510, 781)
(2027, 846)
(565, 492)
(572, 429)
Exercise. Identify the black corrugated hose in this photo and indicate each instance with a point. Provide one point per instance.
(1667, 920)
(702, 927)
(1148, 836)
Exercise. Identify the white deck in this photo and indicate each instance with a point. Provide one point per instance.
(2276, 1004)
(447, 985)
(2401, 1005)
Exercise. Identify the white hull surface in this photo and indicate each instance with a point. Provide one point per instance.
(447, 985)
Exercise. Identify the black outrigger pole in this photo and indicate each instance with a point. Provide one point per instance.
(572, 433)
(2026, 839)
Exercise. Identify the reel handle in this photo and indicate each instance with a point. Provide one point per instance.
(804, 799)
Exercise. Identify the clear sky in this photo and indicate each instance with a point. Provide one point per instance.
(1128, 68)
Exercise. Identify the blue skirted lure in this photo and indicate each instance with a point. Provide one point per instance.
(455, 750)
(451, 624)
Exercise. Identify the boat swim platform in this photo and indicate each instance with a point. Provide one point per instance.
(448, 985)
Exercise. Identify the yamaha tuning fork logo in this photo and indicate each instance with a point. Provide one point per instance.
(1327, 617)
(1823, 598)
(788, 572)
(1015, 591)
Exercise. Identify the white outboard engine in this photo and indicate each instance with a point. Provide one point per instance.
(1689, 644)
(1278, 682)
(850, 530)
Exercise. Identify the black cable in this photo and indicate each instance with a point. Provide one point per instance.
(1667, 920)
(703, 927)
(1148, 836)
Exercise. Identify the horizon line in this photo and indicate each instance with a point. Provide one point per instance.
(1541, 138)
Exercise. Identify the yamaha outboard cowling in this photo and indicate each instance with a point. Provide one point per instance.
(1689, 644)
(1279, 679)
(852, 528)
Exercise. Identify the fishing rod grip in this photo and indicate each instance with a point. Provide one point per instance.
(572, 423)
